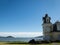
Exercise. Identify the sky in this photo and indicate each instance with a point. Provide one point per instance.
(24, 16)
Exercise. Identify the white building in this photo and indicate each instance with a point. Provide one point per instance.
(51, 31)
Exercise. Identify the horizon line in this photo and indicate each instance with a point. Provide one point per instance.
(21, 34)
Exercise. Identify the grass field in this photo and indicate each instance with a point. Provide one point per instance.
(5, 43)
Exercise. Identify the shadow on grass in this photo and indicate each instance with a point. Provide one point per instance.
(16, 42)
(32, 42)
(25, 43)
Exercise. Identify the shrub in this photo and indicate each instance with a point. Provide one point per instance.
(32, 41)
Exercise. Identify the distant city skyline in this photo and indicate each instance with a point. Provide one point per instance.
(26, 15)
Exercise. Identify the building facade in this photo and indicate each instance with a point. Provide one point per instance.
(51, 32)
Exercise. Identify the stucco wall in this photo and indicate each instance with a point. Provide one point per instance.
(55, 36)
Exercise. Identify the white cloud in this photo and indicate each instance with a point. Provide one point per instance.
(21, 34)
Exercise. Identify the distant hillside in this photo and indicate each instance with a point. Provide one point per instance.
(2, 37)
(6, 37)
(39, 37)
(9, 37)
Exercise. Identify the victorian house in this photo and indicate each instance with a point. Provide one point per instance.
(51, 32)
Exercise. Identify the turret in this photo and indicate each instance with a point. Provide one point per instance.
(46, 19)
(47, 27)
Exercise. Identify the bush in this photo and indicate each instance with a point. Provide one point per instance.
(32, 41)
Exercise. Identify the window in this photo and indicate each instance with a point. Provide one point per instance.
(58, 27)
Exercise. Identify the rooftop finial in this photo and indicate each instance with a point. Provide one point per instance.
(46, 15)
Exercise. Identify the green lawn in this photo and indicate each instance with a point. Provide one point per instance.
(5, 43)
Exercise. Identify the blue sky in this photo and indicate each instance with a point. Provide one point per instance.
(26, 15)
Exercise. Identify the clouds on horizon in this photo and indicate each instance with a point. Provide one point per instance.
(21, 34)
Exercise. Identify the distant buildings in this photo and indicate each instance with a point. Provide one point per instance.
(51, 31)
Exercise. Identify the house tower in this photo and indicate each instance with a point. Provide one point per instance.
(47, 27)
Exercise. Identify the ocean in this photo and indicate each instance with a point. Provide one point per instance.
(19, 39)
